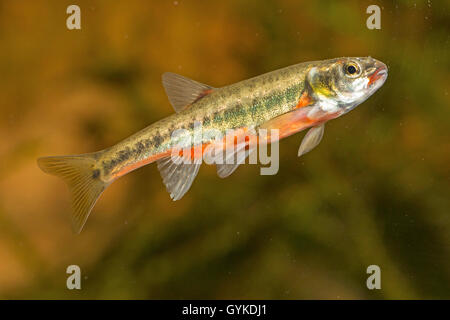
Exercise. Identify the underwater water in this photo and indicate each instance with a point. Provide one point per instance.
(376, 191)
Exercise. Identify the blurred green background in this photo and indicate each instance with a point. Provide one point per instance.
(375, 191)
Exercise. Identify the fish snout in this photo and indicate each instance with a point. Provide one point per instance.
(379, 75)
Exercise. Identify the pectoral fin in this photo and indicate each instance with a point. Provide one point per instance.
(291, 122)
(311, 139)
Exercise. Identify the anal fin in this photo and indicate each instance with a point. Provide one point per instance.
(177, 175)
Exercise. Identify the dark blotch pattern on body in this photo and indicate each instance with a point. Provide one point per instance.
(157, 140)
(95, 174)
(217, 117)
(138, 149)
(250, 102)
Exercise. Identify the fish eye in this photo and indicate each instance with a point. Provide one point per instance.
(352, 69)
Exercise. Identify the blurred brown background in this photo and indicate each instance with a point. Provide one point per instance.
(376, 190)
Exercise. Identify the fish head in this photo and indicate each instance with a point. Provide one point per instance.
(347, 82)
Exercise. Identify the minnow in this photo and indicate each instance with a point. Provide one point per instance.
(292, 99)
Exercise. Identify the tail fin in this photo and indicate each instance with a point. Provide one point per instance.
(83, 180)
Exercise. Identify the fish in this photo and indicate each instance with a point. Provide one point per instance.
(289, 100)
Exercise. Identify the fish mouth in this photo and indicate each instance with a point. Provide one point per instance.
(379, 73)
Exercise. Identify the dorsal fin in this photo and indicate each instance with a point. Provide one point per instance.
(182, 91)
